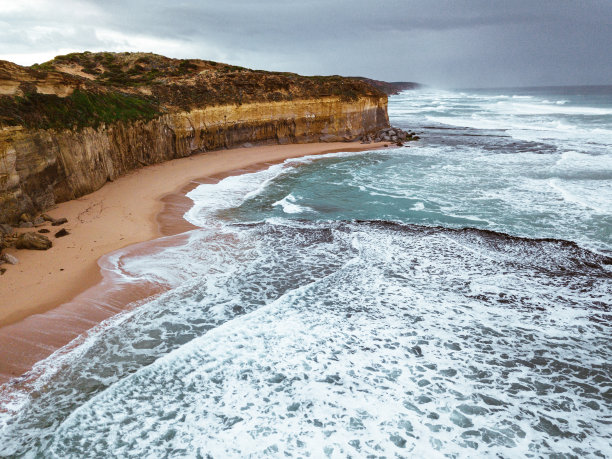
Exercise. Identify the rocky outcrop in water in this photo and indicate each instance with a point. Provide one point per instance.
(70, 125)
(392, 135)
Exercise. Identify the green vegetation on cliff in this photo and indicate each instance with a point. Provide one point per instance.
(121, 70)
(110, 87)
(80, 109)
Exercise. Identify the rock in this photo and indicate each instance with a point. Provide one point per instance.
(8, 258)
(26, 225)
(7, 240)
(38, 221)
(33, 241)
(59, 221)
(25, 218)
(395, 135)
(47, 218)
(62, 233)
(6, 229)
(2, 271)
(44, 230)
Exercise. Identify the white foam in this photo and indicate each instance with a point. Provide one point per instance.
(523, 108)
(389, 354)
(575, 161)
(595, 198)
(227, 193)
(234, 190)
(289, 206)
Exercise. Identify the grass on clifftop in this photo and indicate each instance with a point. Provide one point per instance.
(122, 69)
(80, 109)
(191, 83)
(110, 87)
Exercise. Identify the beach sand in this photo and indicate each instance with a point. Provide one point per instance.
(49, 298)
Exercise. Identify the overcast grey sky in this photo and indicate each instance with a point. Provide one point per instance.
(449, 43)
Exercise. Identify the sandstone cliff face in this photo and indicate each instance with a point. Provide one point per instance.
(41, 167)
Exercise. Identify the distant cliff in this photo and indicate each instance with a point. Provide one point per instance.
(390, 87)
(70, 125)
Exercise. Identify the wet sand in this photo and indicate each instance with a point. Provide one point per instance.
(52, 297)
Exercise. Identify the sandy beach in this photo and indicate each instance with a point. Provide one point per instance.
(49, 298)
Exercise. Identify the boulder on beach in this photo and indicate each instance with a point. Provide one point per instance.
(59, 221)
(8, 258)
(62, 233)
(33, 241)
(38, 221)
(6, 229)
(44, 230)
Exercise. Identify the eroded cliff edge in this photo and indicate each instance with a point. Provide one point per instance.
(70, 125)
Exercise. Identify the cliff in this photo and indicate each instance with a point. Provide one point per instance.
(391, 87)
(70, 125)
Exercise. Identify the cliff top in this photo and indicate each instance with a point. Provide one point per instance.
(87, 89)
(391, 87)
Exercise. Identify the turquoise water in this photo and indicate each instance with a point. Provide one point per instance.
(446, 299)
(541, 168)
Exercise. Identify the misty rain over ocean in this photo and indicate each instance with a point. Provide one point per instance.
(452, 298)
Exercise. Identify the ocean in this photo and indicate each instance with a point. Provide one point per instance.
(449, 298)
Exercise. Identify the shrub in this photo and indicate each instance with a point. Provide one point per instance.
(80, 109)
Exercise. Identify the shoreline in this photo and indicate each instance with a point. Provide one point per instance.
(71, 292)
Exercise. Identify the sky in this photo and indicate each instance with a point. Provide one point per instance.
(443, 43)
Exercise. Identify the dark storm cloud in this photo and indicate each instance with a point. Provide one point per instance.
(452, 42)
